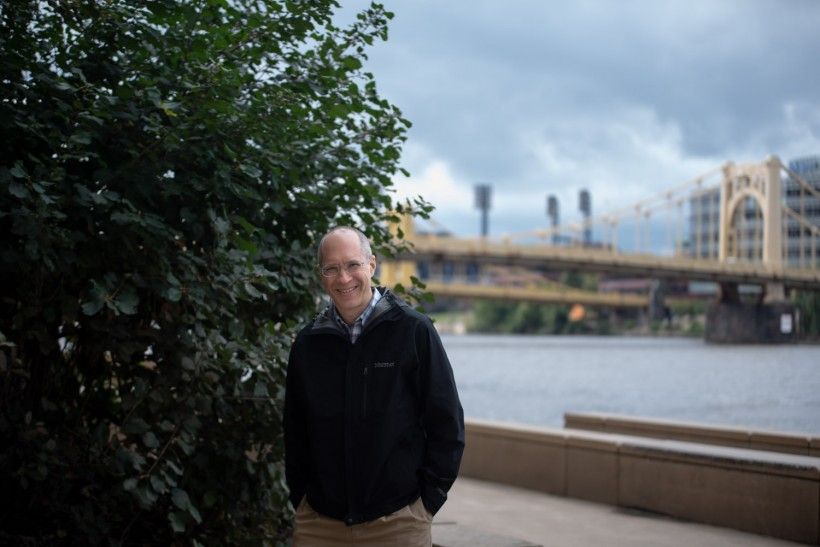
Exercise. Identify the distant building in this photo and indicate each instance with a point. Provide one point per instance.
(704, 211)
(800, 251)
(704, 215)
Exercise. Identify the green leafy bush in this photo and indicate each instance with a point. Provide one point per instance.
(165, 169)
(808, 309)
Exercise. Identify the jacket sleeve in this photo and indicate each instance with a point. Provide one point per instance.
(295, 431)
(442, 418)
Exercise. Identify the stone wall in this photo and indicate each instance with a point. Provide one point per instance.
(755, 491)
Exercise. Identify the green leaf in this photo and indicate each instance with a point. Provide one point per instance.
(173, 294)
(338, 111)
(150, 440)
(177, 521)
(352, 63)
(180, 498)
(247, 226)
(246, 245)
(169, 108)
(17, 171)
(81, 138)
(260, 389)
(185, 447)
(252, 291)
(18, 190)
(135, 426)
(418, 282)
(176, 469)
(169, 480)
(250, 170)
(122, 217)
(91, 308)
(194, 512)
(192, 424)
(146, 496)
(158, 484)
(129, 484)
(127, 302)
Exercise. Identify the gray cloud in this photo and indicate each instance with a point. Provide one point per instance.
(623, 97)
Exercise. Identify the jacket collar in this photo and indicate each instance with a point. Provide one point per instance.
(325, 321)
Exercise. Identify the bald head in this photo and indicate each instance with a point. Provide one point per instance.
(364, 243)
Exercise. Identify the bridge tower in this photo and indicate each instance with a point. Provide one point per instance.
(772, 320)
(761, 183)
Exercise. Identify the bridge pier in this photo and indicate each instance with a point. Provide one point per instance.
(772, 320)
(658, 310)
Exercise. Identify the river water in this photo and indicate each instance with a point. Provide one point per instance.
(535, 379)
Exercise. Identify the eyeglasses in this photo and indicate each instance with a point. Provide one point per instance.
(351, 268)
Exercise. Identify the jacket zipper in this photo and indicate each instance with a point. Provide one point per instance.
(350, 518)
(364, 392)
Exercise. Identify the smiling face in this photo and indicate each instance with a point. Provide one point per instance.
(350, 293)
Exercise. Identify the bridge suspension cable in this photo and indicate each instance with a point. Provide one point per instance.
(740, 217)
(641, 212)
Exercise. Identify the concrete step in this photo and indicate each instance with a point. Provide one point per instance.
(763, 492)
(803, 444)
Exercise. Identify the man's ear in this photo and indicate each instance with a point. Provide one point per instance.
(372, 265)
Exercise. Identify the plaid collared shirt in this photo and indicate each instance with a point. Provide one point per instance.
(356, 329)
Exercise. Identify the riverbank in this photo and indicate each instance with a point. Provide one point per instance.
(465, 322)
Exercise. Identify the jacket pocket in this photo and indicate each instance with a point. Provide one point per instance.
(386, 390)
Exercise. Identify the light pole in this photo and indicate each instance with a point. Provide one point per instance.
(482, 202)
(585, 205)
(553, 214)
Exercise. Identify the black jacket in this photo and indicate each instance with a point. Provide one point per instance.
(371, 426)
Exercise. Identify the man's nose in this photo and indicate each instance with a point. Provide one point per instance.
(344, 275)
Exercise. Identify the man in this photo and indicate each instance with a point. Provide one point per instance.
(374, 429)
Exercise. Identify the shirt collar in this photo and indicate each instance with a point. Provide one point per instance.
(365, 315)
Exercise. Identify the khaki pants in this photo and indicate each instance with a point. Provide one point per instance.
(409, 526)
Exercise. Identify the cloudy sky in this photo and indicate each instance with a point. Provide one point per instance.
(625, 98)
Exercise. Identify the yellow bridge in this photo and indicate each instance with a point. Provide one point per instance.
(746, 253)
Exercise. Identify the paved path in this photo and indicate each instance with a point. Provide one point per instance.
(557, 521)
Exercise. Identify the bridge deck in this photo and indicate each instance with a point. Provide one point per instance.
(537, 294)
(587, 259)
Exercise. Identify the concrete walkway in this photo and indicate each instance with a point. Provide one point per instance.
(543, 519)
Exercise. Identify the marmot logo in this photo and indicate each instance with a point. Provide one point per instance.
(384, 364)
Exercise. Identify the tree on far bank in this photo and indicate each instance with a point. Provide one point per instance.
(164, 172)
(808, 307)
